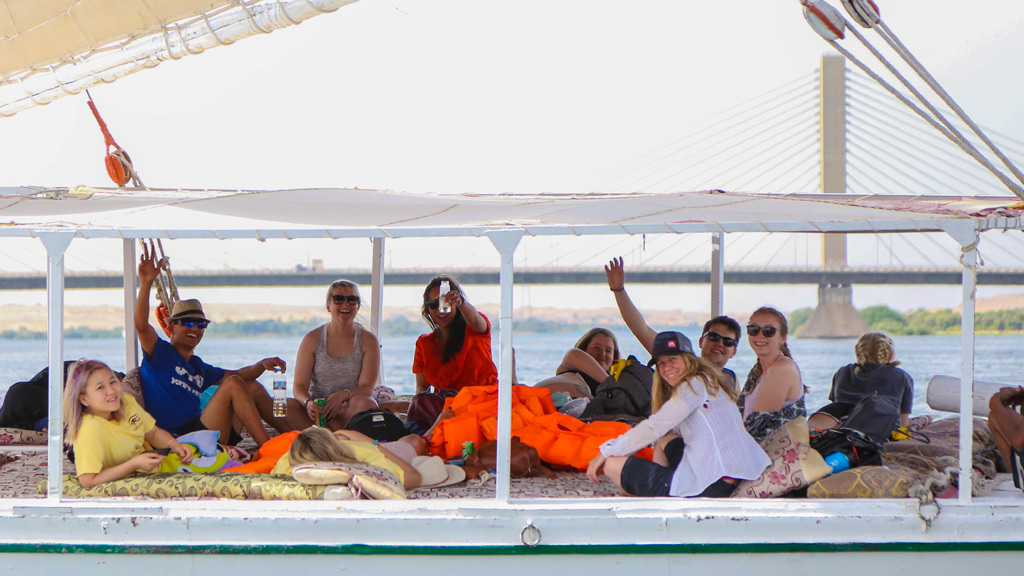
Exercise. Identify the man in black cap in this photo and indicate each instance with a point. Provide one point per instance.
(174, 378)
(719, 339)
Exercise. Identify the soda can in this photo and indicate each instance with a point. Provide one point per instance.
(321, 419)
(467, 449)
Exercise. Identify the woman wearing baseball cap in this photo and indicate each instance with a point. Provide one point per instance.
(702, 448)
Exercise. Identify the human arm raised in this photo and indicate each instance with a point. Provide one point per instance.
(149, 269)
(616, 274)
(469, 312)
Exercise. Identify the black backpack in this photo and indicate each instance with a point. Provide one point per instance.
(625, 395)
(874, 416)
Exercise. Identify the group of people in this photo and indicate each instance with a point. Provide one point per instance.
(705, 427)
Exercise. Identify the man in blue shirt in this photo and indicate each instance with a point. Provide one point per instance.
(174, 378)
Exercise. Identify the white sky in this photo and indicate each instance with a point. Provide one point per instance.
(474, 96)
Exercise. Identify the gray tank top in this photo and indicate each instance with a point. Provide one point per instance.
(332, 375)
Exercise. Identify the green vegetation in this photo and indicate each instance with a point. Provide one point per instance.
(798, 318)
(916, 322)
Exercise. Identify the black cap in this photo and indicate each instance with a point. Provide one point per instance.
(666, 343)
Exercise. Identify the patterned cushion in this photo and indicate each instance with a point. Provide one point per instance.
(238, 486)
(363, 480)
(19, 436)
(322, 473)
(794, 463)
(866, 482)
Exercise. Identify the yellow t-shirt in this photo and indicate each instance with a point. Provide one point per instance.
(103, 444)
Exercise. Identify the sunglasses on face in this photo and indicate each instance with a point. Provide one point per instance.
(768, 331)
(340, 299)
(433, 304)
(716, 337)
(201, 324)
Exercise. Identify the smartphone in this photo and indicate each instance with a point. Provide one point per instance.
(160, 451)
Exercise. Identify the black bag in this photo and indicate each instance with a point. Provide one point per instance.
(860, 450)
(625, 395)
(875, 416)
(379, 424)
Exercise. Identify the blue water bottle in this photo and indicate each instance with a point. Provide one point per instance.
(839, 461)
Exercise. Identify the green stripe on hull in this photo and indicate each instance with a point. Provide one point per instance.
(366, 550)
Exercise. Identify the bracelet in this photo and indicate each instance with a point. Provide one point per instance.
(375, 442)
(306, 403)
(617, 289)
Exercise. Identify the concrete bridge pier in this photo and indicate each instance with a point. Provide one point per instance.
(835, 316)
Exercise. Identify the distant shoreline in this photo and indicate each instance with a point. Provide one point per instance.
(28, 322)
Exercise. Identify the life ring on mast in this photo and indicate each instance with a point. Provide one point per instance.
(863, 12)
(824, 19)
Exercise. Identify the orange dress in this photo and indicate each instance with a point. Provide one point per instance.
(472, 366)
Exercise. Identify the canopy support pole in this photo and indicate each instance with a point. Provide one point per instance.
(56, 243)
(131, 338)
(377, 295)
(505, 242)
(968, 236)
(717, 274)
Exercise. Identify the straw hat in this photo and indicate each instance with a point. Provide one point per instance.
(187, 309)
(436, 473)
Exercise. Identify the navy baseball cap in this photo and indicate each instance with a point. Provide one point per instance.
(666, 343)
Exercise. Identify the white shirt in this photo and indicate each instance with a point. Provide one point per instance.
(717, 444)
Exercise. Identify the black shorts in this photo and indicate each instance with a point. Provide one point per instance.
(197, 425)
(645, 478)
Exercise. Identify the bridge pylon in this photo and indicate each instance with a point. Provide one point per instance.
(834, 316)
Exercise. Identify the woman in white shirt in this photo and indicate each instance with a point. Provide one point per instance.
(702, 447)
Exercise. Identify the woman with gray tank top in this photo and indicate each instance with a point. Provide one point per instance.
(339, 362)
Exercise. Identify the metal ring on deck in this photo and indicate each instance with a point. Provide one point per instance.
(928, 519)
(530, 536)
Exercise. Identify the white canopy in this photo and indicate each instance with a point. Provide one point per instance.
(114, 213)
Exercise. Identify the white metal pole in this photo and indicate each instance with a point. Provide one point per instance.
(377, 296)
(967, 235)
(505, 243)
(131, 339)
(717, 274)
(56, 244)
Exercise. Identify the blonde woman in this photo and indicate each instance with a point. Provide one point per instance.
(339, 361)
(701, 446)
(875, 373)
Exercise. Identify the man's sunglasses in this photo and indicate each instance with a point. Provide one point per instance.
(340, 299)
(768, 331)
(201, 324)
(716, 337)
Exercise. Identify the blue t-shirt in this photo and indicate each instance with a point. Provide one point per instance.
(172, 386)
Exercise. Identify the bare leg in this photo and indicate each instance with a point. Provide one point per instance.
(298, 418)
(821, 421)
(613, 469)
(659, 449)
(354, 406)
(265, 406)
(232, 401)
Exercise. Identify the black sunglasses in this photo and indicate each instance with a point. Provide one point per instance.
(201, 324)
(768, 331)
(716, 337)
(433, 304)
(340, 299)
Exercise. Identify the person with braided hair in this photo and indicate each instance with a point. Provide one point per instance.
(774, 391)
(875, 373)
